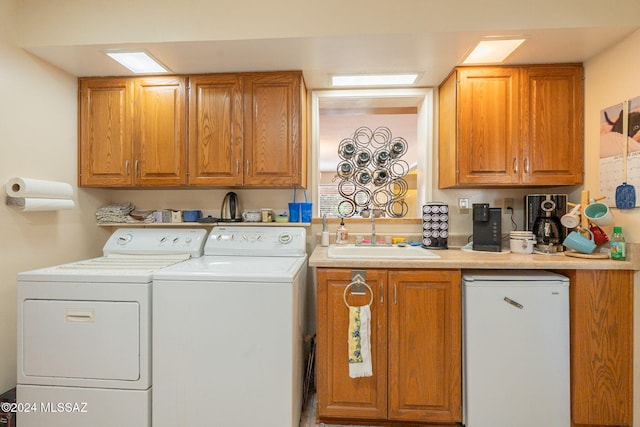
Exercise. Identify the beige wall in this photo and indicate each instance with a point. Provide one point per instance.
(612, 77)
(37, 140)
(68, 22)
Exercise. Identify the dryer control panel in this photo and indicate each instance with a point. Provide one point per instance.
(156, 241)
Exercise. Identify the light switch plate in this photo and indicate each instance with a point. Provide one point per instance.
(463, 206)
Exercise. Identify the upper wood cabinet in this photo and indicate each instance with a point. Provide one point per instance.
(415, 341)
(105, 147)
(275, 153)
(247, 129)
(511, 126)
(244, 130)
(132, 132)
(215, 130)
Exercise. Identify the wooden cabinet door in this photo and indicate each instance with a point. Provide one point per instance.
(340, 396)
(552, 113)
(160, 131)
(273, 129)
(215, 130)
(488, 126)
(425, 335)
(601, 307)
(448, 132)
(105, 148)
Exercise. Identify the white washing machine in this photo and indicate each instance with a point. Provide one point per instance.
(228, 331)
(84, 332)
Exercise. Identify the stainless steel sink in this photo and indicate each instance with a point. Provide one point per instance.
(385, 252)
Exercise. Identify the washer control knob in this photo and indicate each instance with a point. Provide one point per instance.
(123, 240)
(285, 238)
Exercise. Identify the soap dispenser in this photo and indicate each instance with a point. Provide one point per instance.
(342, 235)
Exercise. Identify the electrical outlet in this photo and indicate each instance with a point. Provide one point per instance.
(507, 203)
(463, 206)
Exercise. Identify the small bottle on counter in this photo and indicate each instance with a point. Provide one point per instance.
(325, 233)
(342, 234)
(618, 247)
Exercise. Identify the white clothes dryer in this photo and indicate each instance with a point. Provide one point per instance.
(84, 332)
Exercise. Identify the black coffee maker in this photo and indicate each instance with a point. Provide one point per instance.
(487, 228)
(543, 213)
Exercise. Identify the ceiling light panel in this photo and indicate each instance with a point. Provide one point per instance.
(492, 51)
(139, 62)
(374, 79)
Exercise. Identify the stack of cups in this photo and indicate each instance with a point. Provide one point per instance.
(522, 242)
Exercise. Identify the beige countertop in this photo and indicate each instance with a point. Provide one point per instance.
(456, 258)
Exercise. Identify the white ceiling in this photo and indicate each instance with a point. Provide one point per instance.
(320, 38)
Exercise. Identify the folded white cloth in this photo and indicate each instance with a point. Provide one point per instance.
(360, 342)
(115, 212)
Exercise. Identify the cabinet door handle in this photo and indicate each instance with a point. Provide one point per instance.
(248, 169)
(381, 293)
(515, 165)
(526, 164)
(126, 167)
(136, 169)
(395, 293)
(237, 167)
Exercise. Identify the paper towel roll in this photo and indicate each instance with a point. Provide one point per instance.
(29, 204)
(38, 189)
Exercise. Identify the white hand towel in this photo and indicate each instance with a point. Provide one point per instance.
(360, 342)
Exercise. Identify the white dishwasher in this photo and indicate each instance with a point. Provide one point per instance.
(515, 349)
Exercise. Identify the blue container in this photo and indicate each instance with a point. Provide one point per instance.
(306, 209)
(294, 212)
(191, 216)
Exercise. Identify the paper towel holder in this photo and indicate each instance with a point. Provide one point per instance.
(15, 201)
(31, 195)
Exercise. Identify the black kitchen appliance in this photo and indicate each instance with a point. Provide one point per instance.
(487, 228)
(542, 216)
(231, 210)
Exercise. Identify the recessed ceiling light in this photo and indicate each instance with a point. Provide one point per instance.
(374, 79)
(138, 61)
(492, 51)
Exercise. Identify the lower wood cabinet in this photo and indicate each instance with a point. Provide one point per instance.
(415, 341)
(601, 316)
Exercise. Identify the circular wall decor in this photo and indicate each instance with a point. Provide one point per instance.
(371, 172)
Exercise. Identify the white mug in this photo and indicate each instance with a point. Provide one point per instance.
(598, 214)
(571, 219)
(251, 216)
